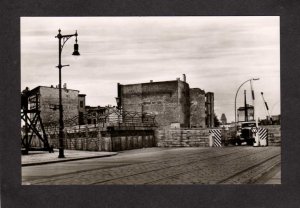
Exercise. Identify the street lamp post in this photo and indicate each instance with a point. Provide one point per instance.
(254, 79)
(62, 39)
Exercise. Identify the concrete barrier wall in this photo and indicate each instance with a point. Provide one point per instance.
(182, 137)
(116, 140)
(274, 135)
(120, 143)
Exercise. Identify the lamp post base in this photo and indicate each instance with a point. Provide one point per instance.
(61, 153)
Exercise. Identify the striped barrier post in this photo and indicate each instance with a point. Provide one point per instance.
(263, 136)
(216, 134)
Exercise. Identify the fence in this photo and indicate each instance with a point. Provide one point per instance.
(112, 117)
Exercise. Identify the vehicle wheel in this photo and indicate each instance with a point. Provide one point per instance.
(239, 143)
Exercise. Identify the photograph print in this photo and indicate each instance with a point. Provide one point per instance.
(144, 100)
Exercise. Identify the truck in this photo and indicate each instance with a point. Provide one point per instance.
(244, 133)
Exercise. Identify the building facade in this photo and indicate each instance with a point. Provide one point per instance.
(47, 99)
(172, 102)
(223, 119)
(168, 101)
(209, 109)
(241, 113)
(93, 113)
(197, 108)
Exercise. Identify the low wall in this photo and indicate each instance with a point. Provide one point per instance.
(131, 139)
(118, 139)
(182, 137)
(103, 140)
(274, 134)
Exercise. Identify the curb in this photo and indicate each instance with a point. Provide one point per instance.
(66, 160)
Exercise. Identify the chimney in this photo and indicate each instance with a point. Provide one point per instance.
(65, 85)
(51, 86)
(184, 77)
(178, 79)
(151, 81)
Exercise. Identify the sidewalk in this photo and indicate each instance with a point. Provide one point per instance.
(44, 157)
(272, 176)
(276, 179)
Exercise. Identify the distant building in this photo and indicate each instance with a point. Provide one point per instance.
(223, 119)
(276, 119)
(93, 113)
(241, 113)
(172, 102)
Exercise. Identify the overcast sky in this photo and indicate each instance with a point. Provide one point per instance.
(217, 54)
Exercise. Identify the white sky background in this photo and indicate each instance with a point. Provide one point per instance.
(217, 54)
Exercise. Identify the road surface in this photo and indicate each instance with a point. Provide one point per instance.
(230, 165)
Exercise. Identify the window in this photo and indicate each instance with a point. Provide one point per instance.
(81, 104)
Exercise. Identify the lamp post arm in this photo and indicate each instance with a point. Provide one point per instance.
(65, 38)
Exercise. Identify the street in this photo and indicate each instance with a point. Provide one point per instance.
(230, 165)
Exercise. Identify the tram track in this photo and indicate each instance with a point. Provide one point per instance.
(169, 168)
(136, 167)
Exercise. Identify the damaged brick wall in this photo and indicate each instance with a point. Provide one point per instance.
(197, 100)
(210, 113)
(49, 98)
(169, 101)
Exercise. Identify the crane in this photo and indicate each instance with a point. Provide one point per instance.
(266, 105)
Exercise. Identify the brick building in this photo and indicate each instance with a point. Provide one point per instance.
(168, 101)
(209, 109)
(172, 102)
(48, 100)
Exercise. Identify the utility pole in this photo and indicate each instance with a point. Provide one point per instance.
(246, 110)
(256, 144)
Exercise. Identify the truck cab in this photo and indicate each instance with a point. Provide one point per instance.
(244, 133)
